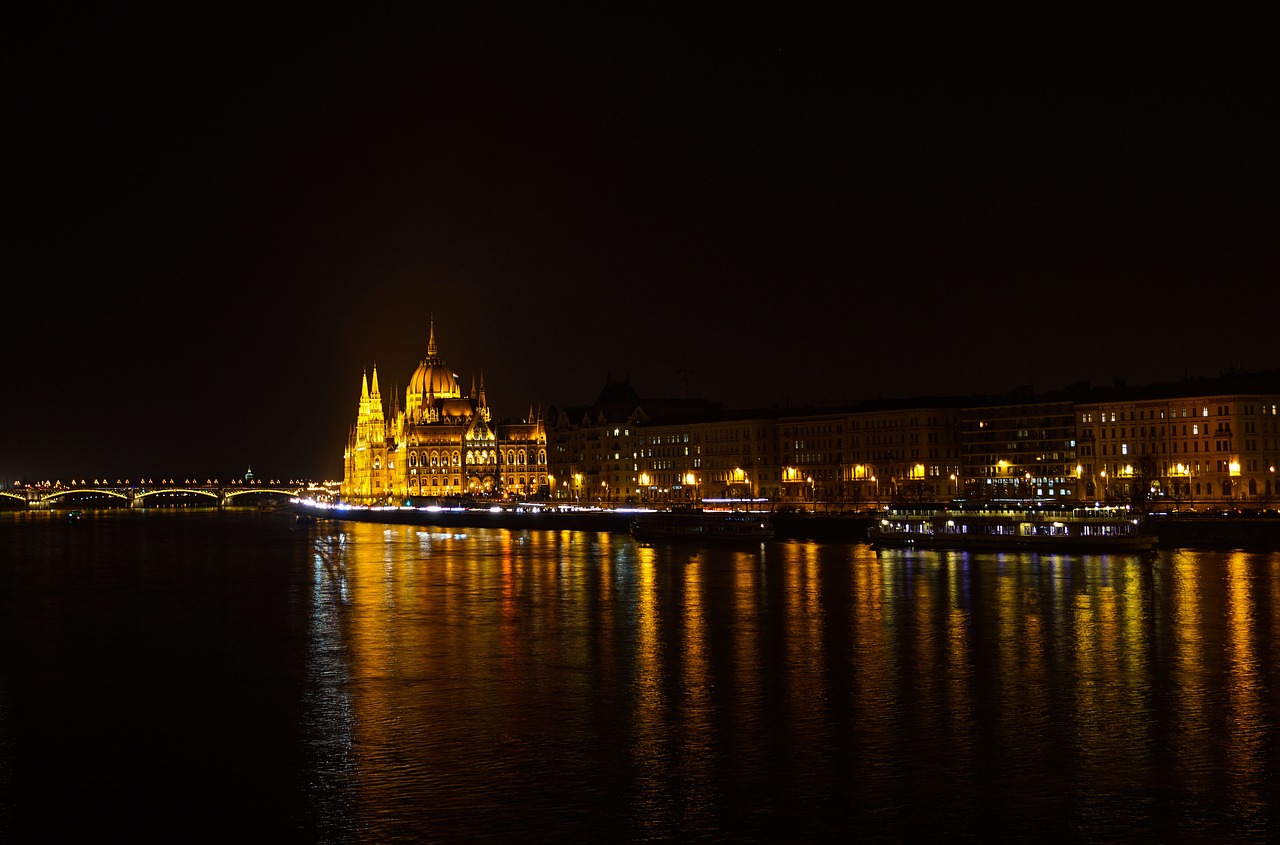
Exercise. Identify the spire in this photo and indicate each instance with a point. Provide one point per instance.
(473, 385)
(364, 385)
(374, 394)
(482, 400)
(431, 344)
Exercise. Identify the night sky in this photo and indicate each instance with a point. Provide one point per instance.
(219, 223)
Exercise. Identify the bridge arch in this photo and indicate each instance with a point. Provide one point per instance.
(169, 491)
(231, 494)
(72, 491)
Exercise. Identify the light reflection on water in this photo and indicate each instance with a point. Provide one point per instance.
(568, 686)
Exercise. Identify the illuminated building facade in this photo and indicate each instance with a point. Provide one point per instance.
(711, 455)
(1020, 449)
(1115, 444)
(902, 450)
(597, 450)
(1209, 448)
(441, 443)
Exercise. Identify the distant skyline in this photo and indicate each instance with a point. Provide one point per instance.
(220, 224)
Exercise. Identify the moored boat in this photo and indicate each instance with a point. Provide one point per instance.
(1099, 529)
(702, 525)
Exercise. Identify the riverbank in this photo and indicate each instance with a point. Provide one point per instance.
(1181, 531)
(828, 528)
(1215, 531)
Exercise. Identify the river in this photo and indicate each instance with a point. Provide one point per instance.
(229, 676)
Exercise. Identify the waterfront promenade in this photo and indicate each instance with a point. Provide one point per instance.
(1200, 531)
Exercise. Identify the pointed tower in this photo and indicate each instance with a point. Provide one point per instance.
(366, 462)
(377, 420)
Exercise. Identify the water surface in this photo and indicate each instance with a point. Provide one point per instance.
(208, 675)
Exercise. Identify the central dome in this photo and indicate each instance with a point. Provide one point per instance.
(433, 375)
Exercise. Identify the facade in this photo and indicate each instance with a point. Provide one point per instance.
(902, 450)
(1114, 444)
(624, 449)
(1192, 450)
(1020, 449)
(442, 443)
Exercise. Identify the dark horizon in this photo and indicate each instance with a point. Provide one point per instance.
(220, 225)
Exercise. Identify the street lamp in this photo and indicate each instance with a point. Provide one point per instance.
(955, 488)
(813, 495)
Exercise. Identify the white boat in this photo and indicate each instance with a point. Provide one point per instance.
(702, 525)
(1099, 529)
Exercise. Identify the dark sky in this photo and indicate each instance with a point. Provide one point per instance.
(218, 223)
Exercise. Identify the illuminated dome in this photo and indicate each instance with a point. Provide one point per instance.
(433, 375)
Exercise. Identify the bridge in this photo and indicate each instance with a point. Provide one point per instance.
(169, 494)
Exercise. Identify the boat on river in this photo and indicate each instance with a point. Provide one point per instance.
(1014, 528)
(706, 526)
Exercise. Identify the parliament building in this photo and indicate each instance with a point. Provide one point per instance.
(440, 444)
